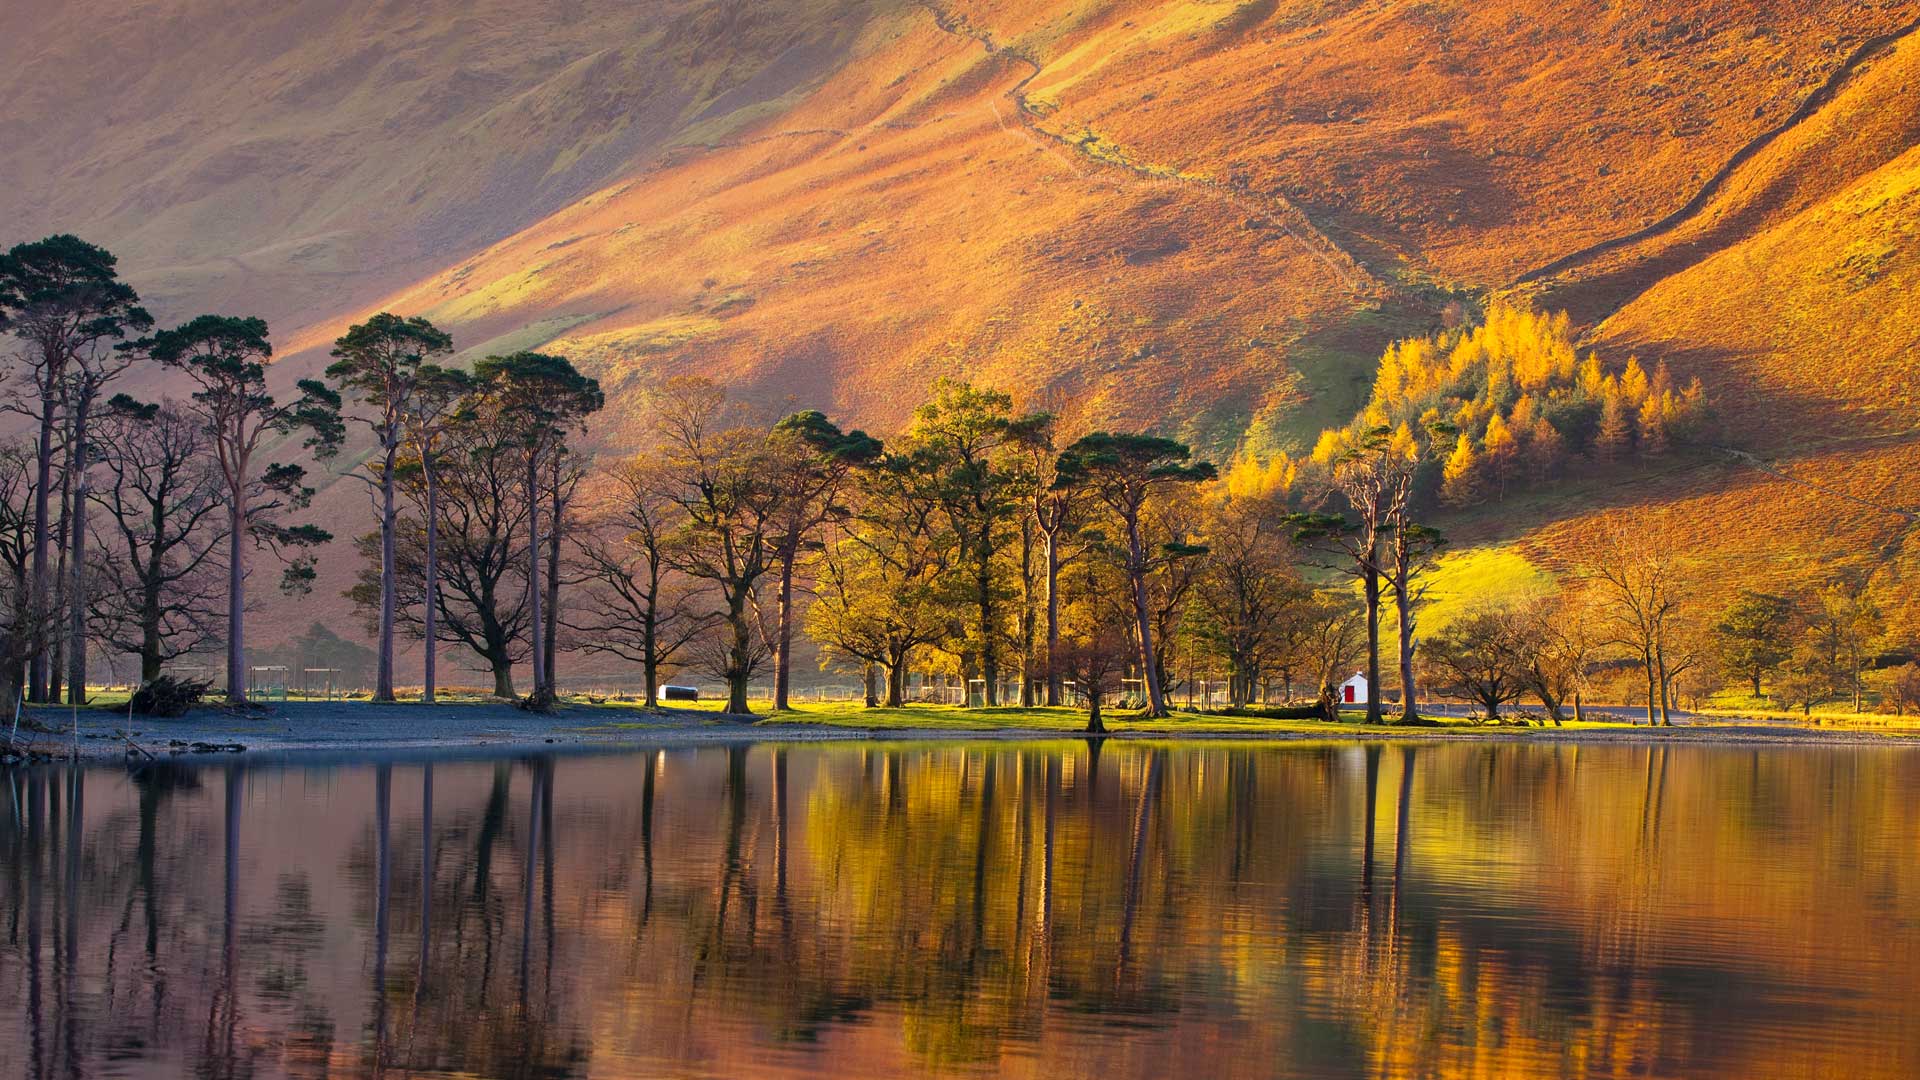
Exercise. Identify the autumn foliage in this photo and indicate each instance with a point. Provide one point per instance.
(1521, 404)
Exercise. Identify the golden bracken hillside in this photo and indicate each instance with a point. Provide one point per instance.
(1208, 217)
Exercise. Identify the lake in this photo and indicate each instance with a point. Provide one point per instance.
(1051, 909)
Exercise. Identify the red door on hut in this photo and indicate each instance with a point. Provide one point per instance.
(1354, 690)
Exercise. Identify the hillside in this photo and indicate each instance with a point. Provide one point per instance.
(1229, 207)
(1204, 217)
(299, 160)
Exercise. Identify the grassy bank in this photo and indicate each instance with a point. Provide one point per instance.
(478, 716)
(1014, 718)
(492, 727)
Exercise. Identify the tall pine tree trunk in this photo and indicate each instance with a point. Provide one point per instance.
(1403, 603)
(552, 627)
(983, 590)
(236, 593)
(1026, 612)
(77, 565)
(1149, 665)
(431, 616)
(56, 666)
(41, 667)
(383, 669)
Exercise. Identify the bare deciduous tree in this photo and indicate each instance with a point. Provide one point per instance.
(1482, 654)
(159, 570)
(1248, 589)
(1557, 639)
(479, 509)
(1639, 586)
(636, 605)
(23, 628)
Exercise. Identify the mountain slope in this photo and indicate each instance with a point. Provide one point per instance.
(299, 159)
(893, 230)
(1229, 207)
(1206, 217)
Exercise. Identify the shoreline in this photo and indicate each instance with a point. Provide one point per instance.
(311, 731)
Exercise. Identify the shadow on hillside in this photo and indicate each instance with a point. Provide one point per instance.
(1750, 415)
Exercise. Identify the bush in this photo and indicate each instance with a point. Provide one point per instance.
(167, 696)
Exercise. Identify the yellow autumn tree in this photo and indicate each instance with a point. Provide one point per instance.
(1546, 449)
(1514, 385)
(1501, 453)
(1592, 378)
(1253, 478)
(1460, 477)
(1525, 412)
(1656, 416)
(1634, 383)
(1615, 436)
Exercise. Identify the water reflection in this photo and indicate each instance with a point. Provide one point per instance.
(1064, 909)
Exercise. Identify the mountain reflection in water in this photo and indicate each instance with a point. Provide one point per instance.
(1058, 909)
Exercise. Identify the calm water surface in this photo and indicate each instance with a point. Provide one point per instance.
(956, 909)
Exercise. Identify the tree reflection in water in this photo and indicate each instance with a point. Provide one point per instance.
(1095, 908)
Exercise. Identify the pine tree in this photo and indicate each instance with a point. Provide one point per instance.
(1525, 412)
(1502, 452)
(1634, 382)
(1662, 382)
(1653, 425)
(1615, 437)
(1460, 477)
(1545, 450)
(1592, 381)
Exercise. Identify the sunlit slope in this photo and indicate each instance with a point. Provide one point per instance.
(1206, 218)
(1865, 116)
(1475, 140)
(902, 223)
(1806, 332)
(293, 159)
(1197, 215)
(1787, 525)
(1794, 303)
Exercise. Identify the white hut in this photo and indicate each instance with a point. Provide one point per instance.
(1354, 690)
